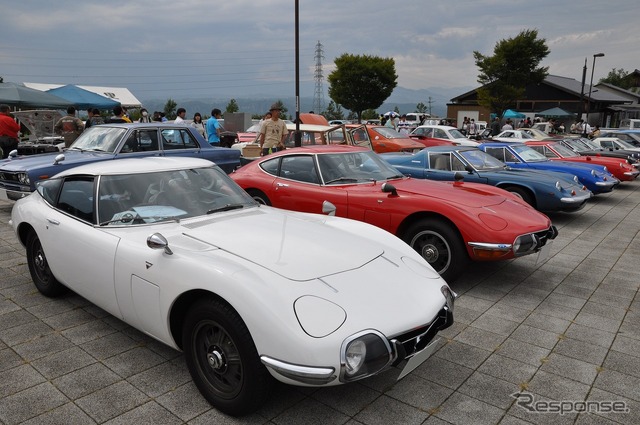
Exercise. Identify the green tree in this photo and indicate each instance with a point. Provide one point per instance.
(514, 65)
(333, 112)
(422, 108)
(170, 109)
(352, 116)
(370, 114)
(232, 106)
(618, 78)
(396, 110)
(362, 82)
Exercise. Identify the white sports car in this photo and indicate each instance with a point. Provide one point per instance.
(175, 248)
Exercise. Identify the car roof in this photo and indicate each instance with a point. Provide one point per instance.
(313, 149)
(444, 127)
(136, 166)
(311, 127)
(450, 148)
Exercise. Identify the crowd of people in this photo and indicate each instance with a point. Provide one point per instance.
(273, 130)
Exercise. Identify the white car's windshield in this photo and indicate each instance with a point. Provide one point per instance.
(167, 195)
(528, 154)
(481, 160)
(99, 138)
(622, 144)
(456, 134)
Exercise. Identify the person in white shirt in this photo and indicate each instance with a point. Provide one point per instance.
(180, 117)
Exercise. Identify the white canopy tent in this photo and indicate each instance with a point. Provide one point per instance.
(119, 94)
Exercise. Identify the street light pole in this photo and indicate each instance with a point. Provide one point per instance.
(593, 67)
(297, 136)
(584, 77)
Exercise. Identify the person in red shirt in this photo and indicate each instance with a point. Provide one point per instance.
(9, 129)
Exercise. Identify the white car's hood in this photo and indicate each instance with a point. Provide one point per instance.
(290, 244)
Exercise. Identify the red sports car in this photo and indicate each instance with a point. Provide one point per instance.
(448, 223)
(553, 150)
(385, 139)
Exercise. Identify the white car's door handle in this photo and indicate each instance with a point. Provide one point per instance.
(52, 221)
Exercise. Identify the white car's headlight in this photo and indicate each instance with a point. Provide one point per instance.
(23, 178)
(355, 356)
(364, 354)
(576, 179)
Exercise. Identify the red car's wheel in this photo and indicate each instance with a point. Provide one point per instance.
(259, 196)
(440, 245)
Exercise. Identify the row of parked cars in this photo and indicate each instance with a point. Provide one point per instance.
(194, 255)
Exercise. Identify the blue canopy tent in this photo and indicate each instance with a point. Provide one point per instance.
(555, 113)
(19, 96)
(83, 99)
(510, 113)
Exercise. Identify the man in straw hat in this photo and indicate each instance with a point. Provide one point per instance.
(272, 132)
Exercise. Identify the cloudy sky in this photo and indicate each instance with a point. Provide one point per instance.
(240, 48)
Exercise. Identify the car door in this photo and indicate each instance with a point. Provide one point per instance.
(297, 187)
(140, 142)
(179, 142)
(439, 167)
(80, 255)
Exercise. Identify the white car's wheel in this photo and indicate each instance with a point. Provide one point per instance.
(41, 274)
(222, 358)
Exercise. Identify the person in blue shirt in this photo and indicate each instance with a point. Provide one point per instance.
(214, 128)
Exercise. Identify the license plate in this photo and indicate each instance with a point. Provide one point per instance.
(418, 359)
(543, 254)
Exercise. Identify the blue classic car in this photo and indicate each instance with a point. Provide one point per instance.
(517, 155)
(18, 174)
(544, 191)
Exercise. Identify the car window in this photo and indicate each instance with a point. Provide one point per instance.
(271, 166)
(76, 198)
(300, 168)
(456, 164)
(141, 141)
(440, 134)
(175, 138)
(502, 154)
(440, 161)
(49, 189)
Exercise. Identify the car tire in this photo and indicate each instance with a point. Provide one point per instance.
(440, 245)
(522, 194)
(259, 196)
(223, 360)
(41, 274)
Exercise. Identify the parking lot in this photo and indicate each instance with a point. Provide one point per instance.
(560, 333)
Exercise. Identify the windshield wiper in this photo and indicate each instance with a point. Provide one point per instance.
(227, 207)
(341, 179)
(396, 176)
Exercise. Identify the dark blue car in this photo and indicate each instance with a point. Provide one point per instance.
(517, 155)
(18, 174)
(544, 191)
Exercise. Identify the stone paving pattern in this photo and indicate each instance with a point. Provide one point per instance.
(564, 329)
